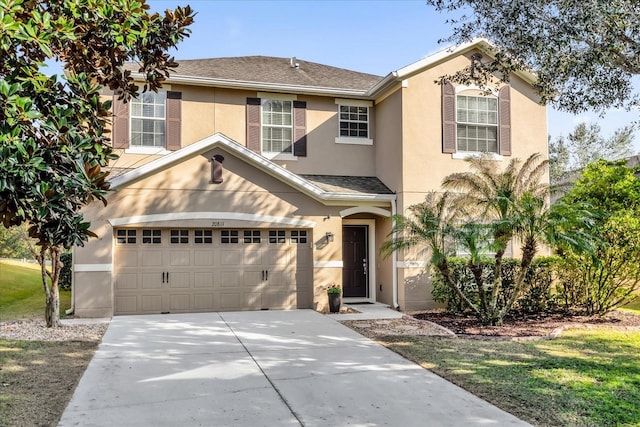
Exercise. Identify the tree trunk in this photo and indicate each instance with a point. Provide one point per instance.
(443, 267)
(50, 283)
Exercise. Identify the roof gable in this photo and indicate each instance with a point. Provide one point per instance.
(219, 140)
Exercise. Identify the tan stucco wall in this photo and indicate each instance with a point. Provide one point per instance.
(425, 166)
(185, 187)
(389, 143)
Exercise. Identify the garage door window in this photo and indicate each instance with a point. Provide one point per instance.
(203, 237)
(229, 236)
(298, 236)
(179, 237)
(126, 237)
(252, 236)
(277, 236)
(152, 237)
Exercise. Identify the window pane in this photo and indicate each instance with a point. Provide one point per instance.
(354, 118)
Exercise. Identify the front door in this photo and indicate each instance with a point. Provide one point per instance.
(355, 261)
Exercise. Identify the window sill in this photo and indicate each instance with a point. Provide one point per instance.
(146, 150)
(463, 155)
(280, 156)
(353, 141)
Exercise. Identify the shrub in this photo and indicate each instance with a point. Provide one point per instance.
(537, 297)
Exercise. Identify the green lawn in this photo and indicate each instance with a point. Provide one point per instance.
(587, 377)
(634, 306)
(21, 292)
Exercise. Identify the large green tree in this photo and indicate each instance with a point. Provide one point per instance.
(53, 137)
(585, 144)
(598, 284)
(585, 53)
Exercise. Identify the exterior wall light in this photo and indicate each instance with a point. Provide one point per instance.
(329, 236)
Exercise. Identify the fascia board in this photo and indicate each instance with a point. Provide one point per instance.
(262, 163)
(442, 55)
(260, 86)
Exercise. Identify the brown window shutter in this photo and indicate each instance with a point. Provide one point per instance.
(174, 120)
(300, 128)
(504, 106)
(253, 125)
(448, 118)
(120, 129)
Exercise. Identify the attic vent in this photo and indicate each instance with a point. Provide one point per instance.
(294, 63)
(216, 169)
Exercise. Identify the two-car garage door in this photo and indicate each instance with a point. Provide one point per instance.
(159, 270)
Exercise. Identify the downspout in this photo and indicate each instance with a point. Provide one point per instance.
(394, 262)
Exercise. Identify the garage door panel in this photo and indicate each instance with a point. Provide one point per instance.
(151, 303)
(211, 276)
(230, 279)
(126, 304)
(180, 257)
(203, 258)
(279, 279)
(179, 302)
(252, 300)
(151, 257)
(230, 257)
(278, 257)
(203, 279)
(252, 256)
(280, 300)
(126, 281)
(203, 302)
(126, 258)
(230, 301)
(179, 279)
(151, 280)
(252, 278)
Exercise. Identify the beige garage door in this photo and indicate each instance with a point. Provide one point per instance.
(190, 270)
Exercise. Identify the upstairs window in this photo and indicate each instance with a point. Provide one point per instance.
(148, 120)
(477, 123)
(277, 126)
(473, 122)
(354, 121)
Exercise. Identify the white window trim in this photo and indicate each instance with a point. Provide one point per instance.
(275, 155)
(277, 96)
(147, 149)
(462, 155)
(352, 140)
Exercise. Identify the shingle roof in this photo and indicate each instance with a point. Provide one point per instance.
(348, 184)
(267, 69)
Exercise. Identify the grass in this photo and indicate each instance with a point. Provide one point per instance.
(634, 306)
(21, 293)
(37, 379)
(587, 377)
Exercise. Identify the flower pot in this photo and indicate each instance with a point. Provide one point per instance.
(334, 303)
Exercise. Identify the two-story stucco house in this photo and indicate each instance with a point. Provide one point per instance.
(253, 183)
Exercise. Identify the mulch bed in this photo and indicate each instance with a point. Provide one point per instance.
(522, 325)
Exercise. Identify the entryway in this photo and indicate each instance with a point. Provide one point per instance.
(355, 256)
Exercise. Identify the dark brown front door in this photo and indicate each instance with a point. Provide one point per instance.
(355, 261)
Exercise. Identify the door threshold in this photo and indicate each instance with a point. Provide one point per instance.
(356, 300)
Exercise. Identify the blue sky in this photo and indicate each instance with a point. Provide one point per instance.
(370, 36)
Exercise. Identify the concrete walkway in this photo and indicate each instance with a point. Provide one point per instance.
(265, 368)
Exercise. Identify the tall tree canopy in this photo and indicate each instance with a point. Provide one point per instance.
(53, 140)
(585, 144)
(584, 52)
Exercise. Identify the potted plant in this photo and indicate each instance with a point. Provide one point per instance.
(334, 292)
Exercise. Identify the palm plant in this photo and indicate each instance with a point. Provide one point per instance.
(514, 204)
(428, 227)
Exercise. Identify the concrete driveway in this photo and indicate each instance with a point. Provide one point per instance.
(266, 368)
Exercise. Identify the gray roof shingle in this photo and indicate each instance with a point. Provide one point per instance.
(267, 69)
(349, 184)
